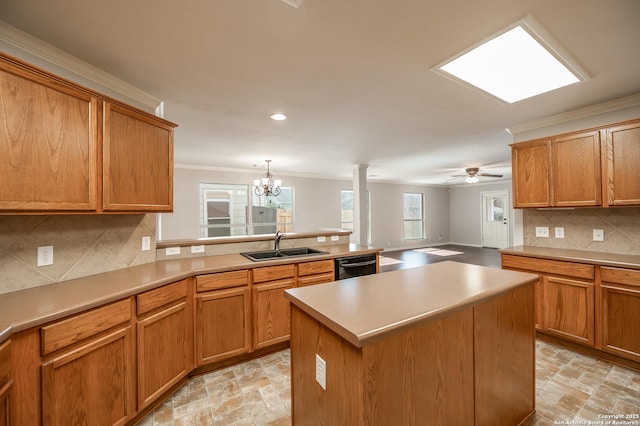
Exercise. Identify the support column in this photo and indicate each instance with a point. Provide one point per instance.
(360, 211)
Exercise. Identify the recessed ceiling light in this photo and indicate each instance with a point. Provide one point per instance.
(278, 116)
(517, 64)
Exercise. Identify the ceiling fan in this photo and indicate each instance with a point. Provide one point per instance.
(472, 175)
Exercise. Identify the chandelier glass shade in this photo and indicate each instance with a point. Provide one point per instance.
(471, 179)
(267, 185)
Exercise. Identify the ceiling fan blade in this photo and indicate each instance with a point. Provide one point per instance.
(488, 175)
(458, 176)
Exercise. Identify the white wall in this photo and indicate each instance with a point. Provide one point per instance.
(465, 211)
(317, 206)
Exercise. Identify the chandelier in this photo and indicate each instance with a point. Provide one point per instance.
(267, 185)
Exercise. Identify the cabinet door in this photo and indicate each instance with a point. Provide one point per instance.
(5, 382)
(622, 186)
(530, 165)
(569, 309)
(91, 385)
(163, 352)
(271, 313)
(222, 329)
(620, 304)
(138, 161)
(48, 143)
(575, 171)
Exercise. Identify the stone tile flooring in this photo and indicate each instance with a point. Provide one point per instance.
(570, 389)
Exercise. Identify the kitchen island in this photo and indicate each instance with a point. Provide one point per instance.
(447, 343)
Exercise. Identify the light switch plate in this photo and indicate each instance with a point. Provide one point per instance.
(172, 251)
(321, 372)
(542, 231)
(321, 239)
(559, 232)
(335, 237)
(598, 235)
(197, 249)
(146, 243)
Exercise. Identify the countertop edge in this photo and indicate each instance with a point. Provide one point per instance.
(579, 256)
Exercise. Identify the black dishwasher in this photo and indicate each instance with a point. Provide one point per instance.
(355, 266)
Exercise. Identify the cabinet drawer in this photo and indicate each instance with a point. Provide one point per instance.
(620, 276)
(272, 273)
(77, 328)
(222, 280)
(316, 279)
(556, 267)
(311, 268)
(161, 296)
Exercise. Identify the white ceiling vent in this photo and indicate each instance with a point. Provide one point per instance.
(294, 3)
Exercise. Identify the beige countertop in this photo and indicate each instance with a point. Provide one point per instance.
(581, 256)
(365, 309)
(32, 307)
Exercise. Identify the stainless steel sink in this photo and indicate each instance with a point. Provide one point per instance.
(257, 256)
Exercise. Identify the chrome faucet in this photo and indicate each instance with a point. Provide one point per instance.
(276, 243)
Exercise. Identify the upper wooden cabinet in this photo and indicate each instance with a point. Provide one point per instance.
(575, 170)
(138, 161)
(595, 167)
(65, 148)
(621, 162)
(48, 143)
(530, 167)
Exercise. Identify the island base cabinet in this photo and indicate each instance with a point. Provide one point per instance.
(472, 366)
(5, 382)
(90, 385)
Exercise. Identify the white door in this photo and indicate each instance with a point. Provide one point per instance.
(495, 219)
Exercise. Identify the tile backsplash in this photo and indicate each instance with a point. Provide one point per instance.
(82, 245)
(621, 228)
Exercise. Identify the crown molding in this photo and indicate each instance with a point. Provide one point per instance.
(604, 107)
(31, 45)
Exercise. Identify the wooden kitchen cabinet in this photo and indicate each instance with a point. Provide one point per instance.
(531, 169)
(271, 311)
(620, 311)
(621, 162)
(569, 309)
(318, 272)
(165, 340)
(66, 148)
(575, 170)
(48, 142)
(138, 161)
(5, 383)
(223, 323)
(88, 378)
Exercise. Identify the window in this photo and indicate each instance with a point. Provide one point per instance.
(226, 210)
(271, 214)
(346, 212)
(413, 216)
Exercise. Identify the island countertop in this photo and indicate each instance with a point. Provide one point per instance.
(364, 309)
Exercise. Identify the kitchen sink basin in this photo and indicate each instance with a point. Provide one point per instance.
(277, 254)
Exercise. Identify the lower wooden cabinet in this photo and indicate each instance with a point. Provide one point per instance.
(569, 309)
(5, 383)
(271, 311)
(91, 384)
(164, 340)
(318, 272)
(223, 327)
(620, 300)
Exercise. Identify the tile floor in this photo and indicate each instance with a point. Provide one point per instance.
(570, 389)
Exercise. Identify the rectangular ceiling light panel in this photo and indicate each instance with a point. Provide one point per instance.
(512, 66)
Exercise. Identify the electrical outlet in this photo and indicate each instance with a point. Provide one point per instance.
(322, 239)
(197, 249)
(146, 243)
(598, 235)
(559, 232)
(321, 372)
(45, 255)
(172, 251)
(542, 231)
(335, 237)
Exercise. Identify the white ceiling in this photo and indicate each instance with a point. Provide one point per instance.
(354, 76)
